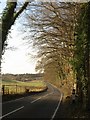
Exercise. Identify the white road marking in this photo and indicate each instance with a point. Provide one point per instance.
(47, 94)
(56, 108)
(33, 102)
(19, 98)
(41, 97)
(36, 100)
(13, 100)
(11, 112)
(22, 98)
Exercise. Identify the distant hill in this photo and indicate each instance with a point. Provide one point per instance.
(22, 77)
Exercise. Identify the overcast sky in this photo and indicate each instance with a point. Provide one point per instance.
(19, 59)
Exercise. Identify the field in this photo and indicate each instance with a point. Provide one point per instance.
(15, 87)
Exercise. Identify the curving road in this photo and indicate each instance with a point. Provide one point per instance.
(42, 105)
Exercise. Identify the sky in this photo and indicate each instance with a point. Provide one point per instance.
(19, 56)
(20, 59)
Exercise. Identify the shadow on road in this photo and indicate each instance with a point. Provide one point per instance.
(9, 97)
(71, 110)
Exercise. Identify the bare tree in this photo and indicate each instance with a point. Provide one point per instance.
(53, 33)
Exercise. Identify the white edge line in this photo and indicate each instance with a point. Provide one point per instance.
(56, 108)
(11, 112)
(53, 116)
(21, 98)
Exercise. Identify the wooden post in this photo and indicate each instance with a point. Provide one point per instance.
(16, 88)
(20, 89)
(3, 89)
(8, 90)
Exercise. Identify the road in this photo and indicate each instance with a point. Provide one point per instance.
(42, 105)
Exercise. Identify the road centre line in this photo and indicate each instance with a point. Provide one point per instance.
(13, 100)
(47, 94)
(12, 112)
(16, 99)
(41, 97)
(36, 100)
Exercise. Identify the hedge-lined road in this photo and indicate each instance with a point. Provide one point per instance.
(41, 105)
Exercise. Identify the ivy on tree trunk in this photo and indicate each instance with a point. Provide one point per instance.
(8, 18)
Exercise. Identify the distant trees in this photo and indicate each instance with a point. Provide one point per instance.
(21, 77)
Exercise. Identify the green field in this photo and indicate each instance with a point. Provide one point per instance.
(13, 86)
(35, 83)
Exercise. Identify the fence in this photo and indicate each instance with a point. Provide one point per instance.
(14, 89)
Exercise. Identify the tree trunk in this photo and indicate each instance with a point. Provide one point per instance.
(88, 57)
(79, 87)
(8, 18)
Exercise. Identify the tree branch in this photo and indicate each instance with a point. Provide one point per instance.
(21, 10)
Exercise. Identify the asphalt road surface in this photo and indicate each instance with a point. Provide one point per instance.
(42, 105)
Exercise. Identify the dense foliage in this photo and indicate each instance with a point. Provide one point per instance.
(81, 54)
